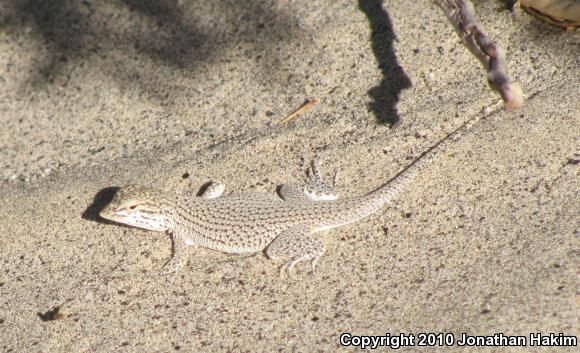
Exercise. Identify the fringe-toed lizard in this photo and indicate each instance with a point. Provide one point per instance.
(254, 222)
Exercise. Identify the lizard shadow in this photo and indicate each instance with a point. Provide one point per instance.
(101, 199)
(386, 95)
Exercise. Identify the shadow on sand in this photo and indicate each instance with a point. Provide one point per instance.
(386, 95)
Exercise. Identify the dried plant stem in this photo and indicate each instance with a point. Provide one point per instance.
(303, 109)
(462, 16)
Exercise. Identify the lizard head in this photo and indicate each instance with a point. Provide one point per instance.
(137, 206)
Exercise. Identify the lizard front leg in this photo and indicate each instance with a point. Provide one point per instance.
(214, 190)
(179, 258)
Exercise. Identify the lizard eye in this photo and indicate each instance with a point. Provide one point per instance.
(132, 207)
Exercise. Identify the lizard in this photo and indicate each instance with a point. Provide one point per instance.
(282, 227)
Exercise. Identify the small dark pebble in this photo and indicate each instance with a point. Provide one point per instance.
(57, 313)
(94, 151)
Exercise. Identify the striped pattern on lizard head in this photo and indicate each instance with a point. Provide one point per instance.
(137, 206)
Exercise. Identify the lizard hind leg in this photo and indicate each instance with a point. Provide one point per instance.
(295, 245)
(315, 190)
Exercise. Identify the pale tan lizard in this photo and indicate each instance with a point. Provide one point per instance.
(254, 222)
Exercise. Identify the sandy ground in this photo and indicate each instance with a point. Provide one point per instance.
(98, 94)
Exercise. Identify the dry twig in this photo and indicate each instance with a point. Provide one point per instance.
(295, 114)
(462, 16)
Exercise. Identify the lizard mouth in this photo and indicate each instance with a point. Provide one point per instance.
(106, 213)
(135, 219)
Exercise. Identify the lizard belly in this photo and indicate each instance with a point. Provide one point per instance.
(239, 240)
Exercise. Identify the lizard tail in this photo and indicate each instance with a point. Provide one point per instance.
(353, 209)
(384, 194)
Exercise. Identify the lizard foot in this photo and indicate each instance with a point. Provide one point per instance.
(171, 266)
(316, 189)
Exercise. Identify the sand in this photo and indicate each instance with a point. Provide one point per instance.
(98, 94)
